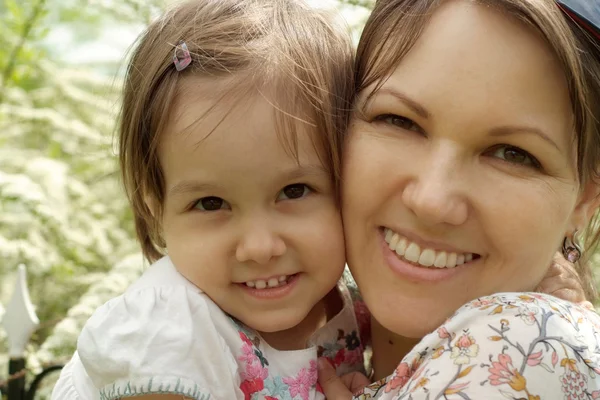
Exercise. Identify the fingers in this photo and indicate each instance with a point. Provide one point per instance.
(355, 381)
(562, 281)
(333, 387)
(588, 305)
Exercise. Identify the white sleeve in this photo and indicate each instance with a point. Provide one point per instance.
(158, 340)
(73, 383)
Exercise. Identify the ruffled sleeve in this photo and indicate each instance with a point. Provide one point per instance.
(158, 340)
(73, 383)
(506, 346)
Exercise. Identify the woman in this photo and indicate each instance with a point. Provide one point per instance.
(475, 137)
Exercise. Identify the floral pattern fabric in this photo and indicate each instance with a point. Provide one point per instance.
(506, 346)
(339, 341)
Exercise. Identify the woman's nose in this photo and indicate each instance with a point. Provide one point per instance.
(259, 243)
(435, 196)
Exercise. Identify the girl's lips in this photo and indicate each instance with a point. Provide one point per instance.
(272, 293)
(415, 273)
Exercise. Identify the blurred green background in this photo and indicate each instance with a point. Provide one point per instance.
(62, 211)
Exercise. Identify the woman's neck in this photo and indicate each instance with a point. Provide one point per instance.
(388, 349)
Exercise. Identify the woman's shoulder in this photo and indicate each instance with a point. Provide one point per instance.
(508, 345)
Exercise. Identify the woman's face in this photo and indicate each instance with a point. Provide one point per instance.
(464, 159)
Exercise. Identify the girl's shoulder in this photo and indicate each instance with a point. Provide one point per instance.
(141, 342)
(508, 345)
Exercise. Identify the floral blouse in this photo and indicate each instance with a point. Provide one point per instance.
(164, 335)
(519, 346)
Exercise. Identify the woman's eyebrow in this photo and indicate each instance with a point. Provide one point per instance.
(404, 98)
(511, 130)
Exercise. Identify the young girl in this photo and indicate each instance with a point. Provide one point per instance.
(230, 139)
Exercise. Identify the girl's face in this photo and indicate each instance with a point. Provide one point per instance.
(460, 177)
(256, 229)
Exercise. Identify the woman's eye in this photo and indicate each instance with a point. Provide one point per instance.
(515, 155)
(211, 203)
(295, 191)
(400, 122)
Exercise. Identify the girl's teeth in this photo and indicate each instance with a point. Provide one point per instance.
(271, 283)
(260, 284)
(426, 257)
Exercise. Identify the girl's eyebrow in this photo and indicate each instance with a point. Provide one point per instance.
(302, 171)
(186, 187)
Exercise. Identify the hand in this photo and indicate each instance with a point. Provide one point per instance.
(563, 281)
(339, 388)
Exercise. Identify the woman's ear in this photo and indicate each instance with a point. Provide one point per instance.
(588, 203)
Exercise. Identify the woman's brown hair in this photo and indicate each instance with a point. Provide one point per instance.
(395, 25)
(270, 46)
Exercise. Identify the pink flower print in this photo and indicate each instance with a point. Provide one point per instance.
(529, 314)
(363, 319)
(354, 356)
(247, 356)
(483, 303)
(245, 338)
(464, 349)
(503, 372)
(301, 385)
(249, 387)
(401, 375)
(574, 384)
(443, 333)
(255, 371)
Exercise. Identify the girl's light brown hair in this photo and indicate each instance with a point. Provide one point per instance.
(271, 46)
(395, 25)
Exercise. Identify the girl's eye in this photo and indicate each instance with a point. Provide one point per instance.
(400, 122)
(211, 203)
(515, 155)
(295, 191)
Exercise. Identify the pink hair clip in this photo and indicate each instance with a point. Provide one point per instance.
(186, 58)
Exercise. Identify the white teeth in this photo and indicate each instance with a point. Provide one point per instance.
(271, 283)
(413, 252)
(394, 241)
(401, 247)
(451, 261)
(440, 260)
(425, 257)
(260, 284)
(388, 235)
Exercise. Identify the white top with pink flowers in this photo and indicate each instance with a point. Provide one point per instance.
(506, 346)
(164, 335)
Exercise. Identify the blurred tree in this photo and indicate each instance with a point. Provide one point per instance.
(62, 212)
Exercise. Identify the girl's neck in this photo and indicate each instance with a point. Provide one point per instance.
(297, 337)
(388, 350)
